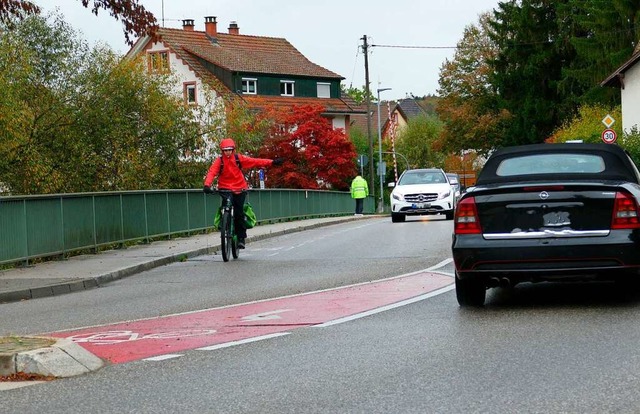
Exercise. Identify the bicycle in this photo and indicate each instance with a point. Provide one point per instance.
(228, 237)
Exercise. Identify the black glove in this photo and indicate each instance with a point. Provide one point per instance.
(207, 189)
(278, 161)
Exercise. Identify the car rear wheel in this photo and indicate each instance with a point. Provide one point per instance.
(470, 292)
(397, 218)
(449, 215)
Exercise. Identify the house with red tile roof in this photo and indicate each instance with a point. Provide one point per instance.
(260, 71)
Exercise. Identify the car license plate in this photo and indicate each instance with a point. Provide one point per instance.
(556, 219)
(421, 205)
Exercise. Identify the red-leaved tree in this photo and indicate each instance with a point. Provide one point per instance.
(316, 155)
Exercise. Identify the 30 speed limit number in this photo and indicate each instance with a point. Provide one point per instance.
(609, 136)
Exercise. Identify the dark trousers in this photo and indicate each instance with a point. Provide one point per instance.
(359, 205)
(238, 213)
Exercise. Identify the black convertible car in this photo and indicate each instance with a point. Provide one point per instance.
(548, 212)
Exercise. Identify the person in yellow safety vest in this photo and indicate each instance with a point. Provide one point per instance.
(359, 190)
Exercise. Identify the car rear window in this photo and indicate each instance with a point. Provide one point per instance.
(551, 164)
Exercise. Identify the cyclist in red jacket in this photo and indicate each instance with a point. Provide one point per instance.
(228, 169)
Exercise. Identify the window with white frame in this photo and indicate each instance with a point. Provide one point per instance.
(249, 86)
(286, 88)
(189, 92)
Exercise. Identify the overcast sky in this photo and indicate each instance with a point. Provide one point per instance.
(327, 32)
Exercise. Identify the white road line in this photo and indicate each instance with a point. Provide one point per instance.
(439, 265)
(242, 341)
(385, 308)
(162, 357)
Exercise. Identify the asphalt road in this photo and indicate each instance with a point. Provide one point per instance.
(534, 349)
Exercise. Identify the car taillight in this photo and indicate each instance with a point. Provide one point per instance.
(466, 218)
(625, 212)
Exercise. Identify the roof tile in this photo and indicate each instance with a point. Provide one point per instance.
(243, 53)
(332, 105)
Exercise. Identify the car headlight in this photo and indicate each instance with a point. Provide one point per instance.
(444, 194)
(398, 197)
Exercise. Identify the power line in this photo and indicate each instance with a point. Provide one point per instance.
(416, 47)
(542, 42)
(354, 65)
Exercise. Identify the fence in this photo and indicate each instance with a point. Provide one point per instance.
(52, 225)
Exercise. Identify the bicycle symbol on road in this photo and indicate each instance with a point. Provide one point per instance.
(116, 337)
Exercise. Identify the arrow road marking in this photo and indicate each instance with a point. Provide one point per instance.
(265, 315)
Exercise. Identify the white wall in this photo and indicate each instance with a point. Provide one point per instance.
(183, 73)
(631, 98)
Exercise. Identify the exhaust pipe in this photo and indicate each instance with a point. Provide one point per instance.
(505, 282)
(493, 282)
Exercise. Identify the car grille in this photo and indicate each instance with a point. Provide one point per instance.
(421, 197)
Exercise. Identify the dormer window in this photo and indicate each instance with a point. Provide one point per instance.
(324, 90)
(159, 62)
(249, 86)
(286, 88)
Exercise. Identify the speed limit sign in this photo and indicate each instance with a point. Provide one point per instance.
(609, 136)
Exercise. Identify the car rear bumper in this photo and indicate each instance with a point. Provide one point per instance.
(548, 258)
(435, 207)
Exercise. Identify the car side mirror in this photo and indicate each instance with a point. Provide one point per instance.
(391, 185)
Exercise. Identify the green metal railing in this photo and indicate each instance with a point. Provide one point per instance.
(52, 225)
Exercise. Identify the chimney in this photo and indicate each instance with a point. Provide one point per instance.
(211, 26)
(233, 28)
(187, 24)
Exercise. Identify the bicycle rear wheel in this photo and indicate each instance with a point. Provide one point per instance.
(226, 238)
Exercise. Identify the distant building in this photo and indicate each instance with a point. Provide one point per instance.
(403, 111)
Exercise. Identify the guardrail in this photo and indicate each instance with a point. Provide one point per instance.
(54, 225)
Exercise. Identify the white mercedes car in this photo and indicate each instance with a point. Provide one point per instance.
(421, 192)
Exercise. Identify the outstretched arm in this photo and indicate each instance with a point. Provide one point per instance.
(250, 162)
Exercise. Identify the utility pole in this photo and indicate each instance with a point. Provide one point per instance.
(367, 94)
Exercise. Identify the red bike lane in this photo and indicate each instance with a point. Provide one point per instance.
(145, 338)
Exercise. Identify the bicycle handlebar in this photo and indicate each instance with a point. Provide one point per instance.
(224, 191)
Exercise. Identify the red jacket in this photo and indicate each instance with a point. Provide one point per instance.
(232, 177)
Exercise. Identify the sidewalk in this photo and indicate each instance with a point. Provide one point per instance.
(88, 271)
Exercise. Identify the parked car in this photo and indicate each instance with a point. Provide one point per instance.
(454, 180)
(421, 192)
(548, 212)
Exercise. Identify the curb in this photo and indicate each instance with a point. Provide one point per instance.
(62, 359)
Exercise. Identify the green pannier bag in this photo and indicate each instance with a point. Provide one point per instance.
(217, 218)
(249, 216)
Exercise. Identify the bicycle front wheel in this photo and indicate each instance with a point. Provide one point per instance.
(226, 238)
(235, 251)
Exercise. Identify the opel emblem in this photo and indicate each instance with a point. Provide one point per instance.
(544, 195)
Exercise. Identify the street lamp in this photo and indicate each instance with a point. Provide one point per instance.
(398, 154)
(381, 203)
